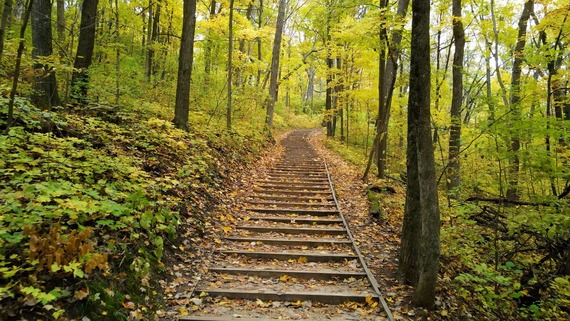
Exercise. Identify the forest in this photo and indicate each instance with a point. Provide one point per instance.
(123, 121)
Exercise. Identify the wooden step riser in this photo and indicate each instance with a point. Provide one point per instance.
(296, 220)
(293, 231)
(326, 298)
(290, 242)
(321, 258)
(308, 275)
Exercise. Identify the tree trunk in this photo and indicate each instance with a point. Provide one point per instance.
(259, 42)
(422, 209)
(4, 23)
(85, 47)
(453, 170)
(149, 36)
(10, 119)
(275, 64)
(388, 82)
(61, 27)
(185, 60)
(208, 48)
(515, 144)
(45, 92)
(230, 66)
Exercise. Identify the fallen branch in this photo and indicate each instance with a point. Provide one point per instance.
(502, 200)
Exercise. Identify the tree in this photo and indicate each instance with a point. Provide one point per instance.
(45, 92)
(185, 61)
(7, 11)
(388, 70)
(515, 99)
(453, 168)
(270, 104)
(85, 47)
(419, 253)
(230, 66)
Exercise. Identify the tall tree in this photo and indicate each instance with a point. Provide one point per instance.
(275, 54)
(230, 65)
(45, 92)
(453, 168)
(185, 61)
(85, 47)
(7, 11)
(10, 119)
(61, 27)
(419, 253)
(514, 103)
(386, 85)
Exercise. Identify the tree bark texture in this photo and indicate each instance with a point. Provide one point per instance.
(422, 208)
(275, 54)
(515, 99)
(45, 92)
(4, 23)
(453, 170)
(61, 27)
(85, 47)
(185, 61)
(230, 66)
(388, 83)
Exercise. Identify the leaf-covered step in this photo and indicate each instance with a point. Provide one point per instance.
(292, 230)
(289, 241)
(297, 220)
(322, 297)
(313, 212)
(300, 274)
(284, 256)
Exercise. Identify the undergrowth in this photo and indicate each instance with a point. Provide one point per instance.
(90, 200)
(498, 262)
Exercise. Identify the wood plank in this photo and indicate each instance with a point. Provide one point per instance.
(304, 204)
(297, 220)
(293, 187)
(285, 192)
(316, 275)
(292, 230)
(220, 318)
(284, 256)
(293, 198)
(314, 212)
(327, 298)
(290, 241)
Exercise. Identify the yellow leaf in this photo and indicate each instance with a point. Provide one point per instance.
(443, 313)
(302, 259)
(284, 278)
(291, 261)
(227, 229)
(203, 294)
(183, 312)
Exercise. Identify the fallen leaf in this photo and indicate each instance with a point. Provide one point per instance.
(81, 294)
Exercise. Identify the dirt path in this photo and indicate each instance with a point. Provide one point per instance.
(278, 248)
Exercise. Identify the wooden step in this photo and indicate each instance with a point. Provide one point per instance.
(284, 256)
(327, 298)
(293, 230)
(293, 198)
(290, 241)
(300, 211)
(286, 192)
(305, 204)
(316, 275)
(220, 318)
(294, 187)
(297, 220)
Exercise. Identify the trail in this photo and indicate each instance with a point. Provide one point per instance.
(287, 252)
